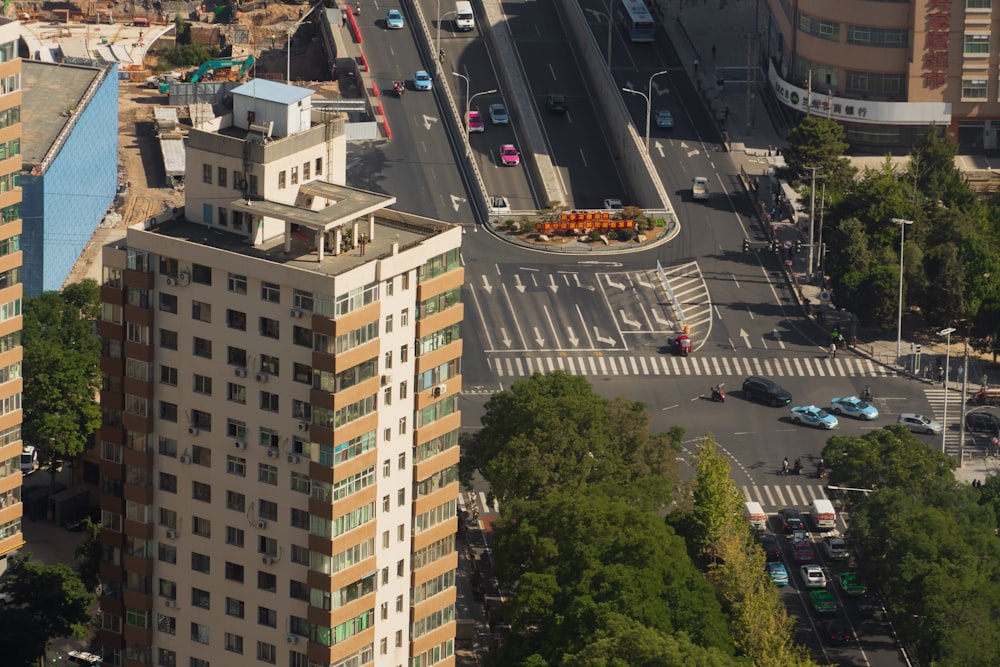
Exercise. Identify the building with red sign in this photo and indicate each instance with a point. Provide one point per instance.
(888, 69)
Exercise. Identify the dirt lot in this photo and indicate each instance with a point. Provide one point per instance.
(139, 157)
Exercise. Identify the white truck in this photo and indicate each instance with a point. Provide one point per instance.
(699, 188)
(824, 516)
(465, 20)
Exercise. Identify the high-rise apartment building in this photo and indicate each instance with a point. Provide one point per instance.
(11, 508)
(280, 442)
(888, 69)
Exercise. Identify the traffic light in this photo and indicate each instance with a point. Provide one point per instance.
(775, 246)
(798, 246)
(746, 245)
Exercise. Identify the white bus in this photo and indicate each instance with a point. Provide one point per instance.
(638, 21)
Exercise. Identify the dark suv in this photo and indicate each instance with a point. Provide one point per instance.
(766, 391)
(791, 520)
(982, 422)
(556, 104)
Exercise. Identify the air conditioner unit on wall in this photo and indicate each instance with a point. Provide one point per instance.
(171, 534)
(261, 377)
(292, 458)
(184, 277)
(266, 560)
(193, 430)
(304, 426)
(272, 452)
(296, 313)
(171, 281)
(440, 389)
(241, 372)
(171, 603)
(261, 524)
(292, 639)
(386, 379)
(185, 458)
(240, 444)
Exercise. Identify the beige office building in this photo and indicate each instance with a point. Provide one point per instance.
(11, 384)
(888, 69)
(280, 442)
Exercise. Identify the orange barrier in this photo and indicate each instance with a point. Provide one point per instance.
(375, 90)
(381, 111)
(364, 62)
(388, 130)
(355, 30)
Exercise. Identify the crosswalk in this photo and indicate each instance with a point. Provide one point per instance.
(605, 365)
(476, 501)
(776, 496)
(952, 436)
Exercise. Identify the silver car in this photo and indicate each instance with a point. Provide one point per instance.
(919, 423)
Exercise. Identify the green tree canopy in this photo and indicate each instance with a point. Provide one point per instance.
(61, 369)
(819, 142)
(552, 433)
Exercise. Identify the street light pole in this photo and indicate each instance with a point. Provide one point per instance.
(648, 96)
(467, 84)
(947, 364)
(899, 320)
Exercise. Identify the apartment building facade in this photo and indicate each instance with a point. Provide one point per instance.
(888, 69)
(280, 442)
(11, 293)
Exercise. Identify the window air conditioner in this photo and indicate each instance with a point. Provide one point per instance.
(296, 313)
(292, 639)
(292, 458)
(261, 377)
(272, 452)
(185, 458)
(171, 281)
(261, 524)
(171, 534)
(241, 372)
(193, 430)
(440, 389)
(266, 560)
(240, 444)
(304, 426)
(171, 603)
(184, 277)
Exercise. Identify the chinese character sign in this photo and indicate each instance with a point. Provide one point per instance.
(935, 61)
(583, 221)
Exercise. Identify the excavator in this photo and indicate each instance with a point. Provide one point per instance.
(222, 63)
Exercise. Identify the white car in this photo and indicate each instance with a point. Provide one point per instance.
(813, 576)
(836, 548)
(699, 188)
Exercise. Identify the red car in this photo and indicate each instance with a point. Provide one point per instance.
(804, 553)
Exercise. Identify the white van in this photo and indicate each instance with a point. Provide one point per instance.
(29, 459)
(824, 515)
(754, 514)
(465, 20)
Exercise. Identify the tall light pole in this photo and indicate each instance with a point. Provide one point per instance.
(610, 26)
(947, 364)
(648, 96)
(899, 320)
(468, 100)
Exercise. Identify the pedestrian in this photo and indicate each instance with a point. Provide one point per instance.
(696, 63)
(959, 373)
(833, 350)
(940, 372)
(343, 18)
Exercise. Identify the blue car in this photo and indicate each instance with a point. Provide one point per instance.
(813, 416)
(853, 406)
(779, 575)
(394, 19)
(422, 80)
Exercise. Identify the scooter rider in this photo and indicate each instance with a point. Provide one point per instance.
(867, 395)
(798, 466)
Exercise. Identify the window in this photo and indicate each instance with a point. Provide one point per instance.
(202, 384)
(202, 348)
(319, 166)
(200, 598)
(302, 373)
(221, 176)
(167, 447)
(281, 180)
(237, 283)
(201, 527)
(234, 643)
(267, 652)
(201, 274)
(269, 364)
(201, 563)
(234, 572)
(168, 303)
(236, 429)
(268, 327)
(270, 292)
(305, 171)
(236, 357)
(436, 266)
(400, 497)
(974, 89)
(819, 28)
(402, 389)
(199, 633)
(234, 536)
(300, 519)
(206, 173)
(202, 421)
(977, 43)
(168, 411)
(168, 375)
(295, 175)
(404, 354)
(168, 339)
(388, 360)
(269, 437)
(267, 617)
(236, 501)
(201, 311)
(236, 465)
(236, 393)
(268, 401)
(235, 607)
(267, 546)
(302, 336)
(201, 492)
(404, 317)
(268, 510)
(388, 323)
(236, 320)
(168, 482)
(389, 286)
(883, 37)
(978, 4)
(267, 474)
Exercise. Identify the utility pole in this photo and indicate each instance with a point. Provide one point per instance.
(812, 218)
(751, 38)
(965, 400)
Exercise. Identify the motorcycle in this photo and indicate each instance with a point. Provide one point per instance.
(719, 394)
(399, 88)
(797, 470)
(866, 395)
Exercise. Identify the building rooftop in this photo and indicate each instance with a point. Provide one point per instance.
(391, 228)
(53, 95)
(272, 91)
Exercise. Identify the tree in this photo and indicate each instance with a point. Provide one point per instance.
(47, 602)
(88, 556)
(552, 433)
(819, 142)
(716, 500)
(61, 369)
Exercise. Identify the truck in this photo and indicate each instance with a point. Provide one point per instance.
(754, 514)
(824, 516)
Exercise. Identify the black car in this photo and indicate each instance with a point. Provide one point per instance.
(555, 104)
(838, 632)
(772, 550)
(982, 422)
(791, 520)
(766, 391)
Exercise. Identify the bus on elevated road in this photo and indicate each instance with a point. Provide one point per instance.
(638, 21)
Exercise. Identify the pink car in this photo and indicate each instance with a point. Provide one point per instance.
(509, 155)
(476, 123)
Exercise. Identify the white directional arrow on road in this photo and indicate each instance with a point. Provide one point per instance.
(538, 337)
(581, 285)
(552, 284)
(746, 337)
(573, 340)
(456, 202)
(612, 283)
(628, 84)
(594, 261)
(607, 341)
(693, 152)
(506, 339)
(777, 337)
(487, 286)
(659, 148)
(428, 121)
(598, 16)
(517, 284)
(639, 279)
(660, 320)
(626, 320)
(660, 91)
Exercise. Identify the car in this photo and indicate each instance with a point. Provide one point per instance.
(664, 119)
(476, 123)
(422, 80)
(613, 204)
(555, 104)
(791, 520)
(838, 632)
(982, 422)
(919, 423)
(804, 552)
(778, 573)
(813, 576)
(836, 548)
(823, 602)
(813, 416)
(766, 391)
(852, 406)
(394, 19)
(509, 156)
(699, 188)
(498, 114)
(772, 550)
(850, 584)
